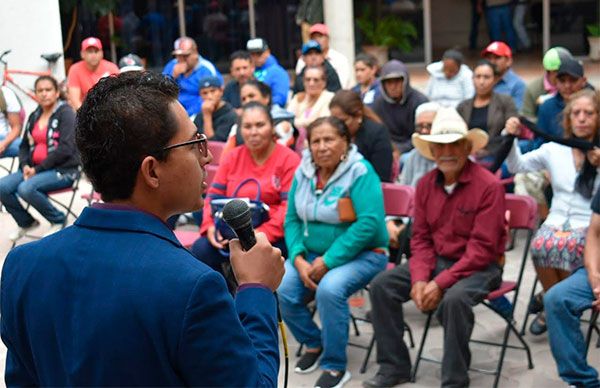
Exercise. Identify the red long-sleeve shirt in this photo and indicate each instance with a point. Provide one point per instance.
(467, 225)
(275, 176)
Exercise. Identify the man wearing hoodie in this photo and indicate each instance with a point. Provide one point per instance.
(268, 70)
(397, 104)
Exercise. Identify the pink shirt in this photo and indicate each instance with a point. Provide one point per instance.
(275, 177)
(83, 78)
(40, 144)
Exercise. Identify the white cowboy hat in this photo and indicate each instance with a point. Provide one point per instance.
(448, 127)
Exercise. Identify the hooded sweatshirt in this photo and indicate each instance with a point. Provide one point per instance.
(312, 222)
(399, 116)
(449, 92)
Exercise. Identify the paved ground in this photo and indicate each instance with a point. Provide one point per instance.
(488, 325)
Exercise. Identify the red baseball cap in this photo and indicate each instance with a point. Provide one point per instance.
(91, 42)
(500, 49)
(319, 28)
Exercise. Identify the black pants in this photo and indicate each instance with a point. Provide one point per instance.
(390, 289)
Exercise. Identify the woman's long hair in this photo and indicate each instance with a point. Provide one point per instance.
(584, 184)
(351, 104)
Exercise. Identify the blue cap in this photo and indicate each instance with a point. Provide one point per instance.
(210, 82)
(311, 45)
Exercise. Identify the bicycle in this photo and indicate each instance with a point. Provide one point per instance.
(7, 73)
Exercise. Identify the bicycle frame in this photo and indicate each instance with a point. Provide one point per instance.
(8, 77)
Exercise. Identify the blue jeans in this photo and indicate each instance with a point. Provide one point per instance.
(332, 302)
(33, 191)
(499, 19)
(13, 148)
(564, 303)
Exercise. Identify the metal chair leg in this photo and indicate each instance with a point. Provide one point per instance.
(588, 337)
(413, 375)
(531, 296)
(410, 335)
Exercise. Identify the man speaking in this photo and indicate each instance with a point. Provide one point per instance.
(115, 299)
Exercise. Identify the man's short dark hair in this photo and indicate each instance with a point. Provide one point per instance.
(122, 120)
(240, 54)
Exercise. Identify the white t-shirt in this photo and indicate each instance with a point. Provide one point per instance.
(12, 106)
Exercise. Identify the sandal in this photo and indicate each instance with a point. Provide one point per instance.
(536, 304)
(538, 326)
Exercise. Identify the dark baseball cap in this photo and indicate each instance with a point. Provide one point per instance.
(210, 82)
(571, 67)
(311, 45)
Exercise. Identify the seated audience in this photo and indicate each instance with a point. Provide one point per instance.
(337, 242)
(187, 68)
(48, 161)
(314, 101)
(557, 247)
(216, 116)
(10, 123)
(365, 71)
(450, 80)
(260, 157)
(397, 103)
(241, 69)
(544, 87)
(566, 302)
(371, 137)
(488, 111)
(507, 81)
(458, 238)
(320, 33)
(313, 56)
(283, 120)
(268, 70)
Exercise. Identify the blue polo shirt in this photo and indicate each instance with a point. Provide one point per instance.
(189, 87)
(272, 74)
(512, 85)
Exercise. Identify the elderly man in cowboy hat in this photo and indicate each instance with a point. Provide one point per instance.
(458, 238)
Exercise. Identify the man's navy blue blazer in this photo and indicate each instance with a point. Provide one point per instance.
(116, 300)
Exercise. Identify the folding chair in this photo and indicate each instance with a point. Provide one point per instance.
(523, 215)
(13, 161)
(216, 149)
(398, 201)
(593, 327)
(66, 206)
(92, 197)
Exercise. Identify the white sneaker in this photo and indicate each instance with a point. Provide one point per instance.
(20, 232)
(53, 229)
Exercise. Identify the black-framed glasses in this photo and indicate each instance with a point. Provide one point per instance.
(200, 140)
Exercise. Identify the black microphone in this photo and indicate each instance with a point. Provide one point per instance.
(236, 214)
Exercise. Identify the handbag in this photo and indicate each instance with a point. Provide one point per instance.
(259, 210)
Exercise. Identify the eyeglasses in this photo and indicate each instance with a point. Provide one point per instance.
(200, 140)
(421, 126)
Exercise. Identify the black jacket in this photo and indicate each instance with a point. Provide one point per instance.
(373, 142)
(333, 81)
(60, 138)
(223, 120)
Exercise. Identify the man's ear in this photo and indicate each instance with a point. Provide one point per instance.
(149, 172)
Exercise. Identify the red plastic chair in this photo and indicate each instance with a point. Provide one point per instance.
(187, 237)
(216, 149)
(523, 215)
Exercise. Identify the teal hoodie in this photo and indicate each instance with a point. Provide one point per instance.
(312, 222)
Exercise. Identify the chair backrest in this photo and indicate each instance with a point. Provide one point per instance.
(523, 211)
(398, 200)
(216, 149)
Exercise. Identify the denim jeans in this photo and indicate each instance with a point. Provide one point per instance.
(33, 191)
(332, 296)
(499, 19)
(13, 148)
(564, 303)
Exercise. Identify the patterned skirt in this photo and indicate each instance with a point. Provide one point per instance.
(558, 247)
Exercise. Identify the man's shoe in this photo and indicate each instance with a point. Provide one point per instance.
(53, 229)
(20, 232)
(333, 379)
(381, 380)
(538, 325)
(536, 304)
(308, 362)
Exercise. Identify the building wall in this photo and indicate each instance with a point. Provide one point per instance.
(31, 28)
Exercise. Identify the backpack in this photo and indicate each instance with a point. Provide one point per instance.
(4, 107)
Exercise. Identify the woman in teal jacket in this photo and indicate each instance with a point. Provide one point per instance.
(337, 242)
